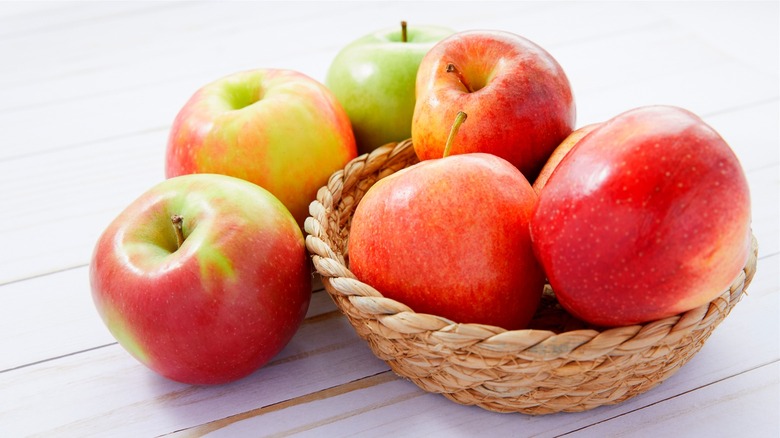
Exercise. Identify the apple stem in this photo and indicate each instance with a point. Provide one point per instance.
(452, 69)
(177, 220)
(403, 32)
(459, 119)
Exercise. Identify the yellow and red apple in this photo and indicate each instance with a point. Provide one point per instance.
(279, 129)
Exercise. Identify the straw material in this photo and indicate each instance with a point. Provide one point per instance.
(558, 364)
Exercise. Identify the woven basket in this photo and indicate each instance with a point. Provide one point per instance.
(557, 364)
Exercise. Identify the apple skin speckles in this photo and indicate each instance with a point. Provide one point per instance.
(450, 237)
(629, 247)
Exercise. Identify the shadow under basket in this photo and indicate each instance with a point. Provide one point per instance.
(557, 365)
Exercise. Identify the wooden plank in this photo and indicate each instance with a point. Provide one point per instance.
(106, 391)
(58, 215)
(414, 412)
(751, 132)
(53, 316)
(146, 32)
(224, 30)
(30, 18)
(765, 193)
(714, 23)
(361, 404)
(699, 90)
(748, 400)
(117, 76)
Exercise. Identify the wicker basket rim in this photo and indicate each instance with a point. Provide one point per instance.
(337, 277)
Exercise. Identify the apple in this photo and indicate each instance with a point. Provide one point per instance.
(558, 154)
(279, 129)
(373, 79)
(647, 217)
(517, 95)
(450, 237)
(203, 278)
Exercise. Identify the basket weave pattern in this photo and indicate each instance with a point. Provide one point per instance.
(557, 364)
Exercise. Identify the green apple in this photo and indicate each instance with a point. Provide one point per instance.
(374, 78)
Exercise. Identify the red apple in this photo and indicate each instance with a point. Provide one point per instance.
(450, 237)
(647, 217)
(558, 154)
(203, 278)
(279, 129)
(517, 96)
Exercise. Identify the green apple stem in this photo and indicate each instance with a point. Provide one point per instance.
(177, 220)
(452, 69)
(459, 119)
(403, 32)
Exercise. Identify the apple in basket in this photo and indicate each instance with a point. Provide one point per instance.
(646, 217)
(279, 129)
(518, 98)
(558, 154)
(373, 79)
(450, 237)
(203, 278)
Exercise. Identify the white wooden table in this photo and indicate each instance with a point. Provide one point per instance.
(88, 92)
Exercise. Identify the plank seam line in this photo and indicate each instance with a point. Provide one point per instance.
(62, 356)
(756, 367)
(344, 388)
